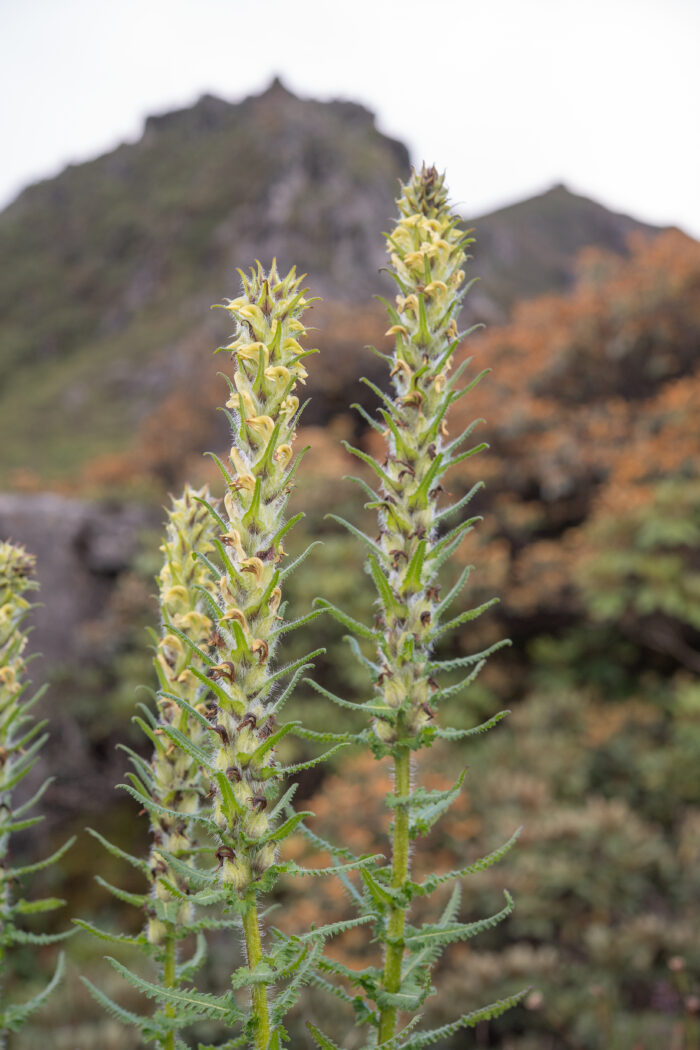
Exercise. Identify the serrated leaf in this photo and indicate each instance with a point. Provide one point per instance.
(135, 862)
(321, 1040)
(347, 620)
(433, 932)
(112, 938)
(298, 767)
(486, 1013)
(189, 747)
(461, 734)
(136, 899)
(464, 617)
(218, 1007)
(389, 600)
(27, 869)
(431, 882)
(383, 896)
(15, 1016)
(24, 907)
(25, 937)
(437, 666)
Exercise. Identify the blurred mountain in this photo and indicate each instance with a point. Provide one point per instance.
(531, 247)
(110, 269)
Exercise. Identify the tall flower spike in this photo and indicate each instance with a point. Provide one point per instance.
(176, 780)
(263, 408)
(427, 251)
(20, 740)
(171, 788)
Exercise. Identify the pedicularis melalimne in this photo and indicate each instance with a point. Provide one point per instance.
(406, 562)
(214, 789)
(21, 738)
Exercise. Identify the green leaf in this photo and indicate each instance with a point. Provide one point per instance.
(271, 741)
(113, 938)
(27, 869)
(465, 617)
(185, 706)
(214, 514)
(292, 667)
(292, 625)
(189, 747)
(30, 803)
(413, 579)
(468, 454)
(426, 807)
(299, 766)
(461, 734)
(454, 591)
(228, 701)
(459, 504)
(285, 802)
(136, 899)
(116, 1011)
(321, 1040)
(135, 862)
(451, 690)
(217, 1007)
(359, 534)
(443, 935)
(380, 393)
(204, 657)
(354, 645)
(451, 540)
(279, 703)
(436, 666)
(15, 1016)
(251, 516)
(298, 561)
(433, 881)
(383, 896)
(231, 803)
(230, 569)
(155, 807)
(24, 907)
(292, 869)
(333, 928)
(389, 600)
(187, 969)
(320, 737)
(19, 825)
(388, 483)
(353, 705)
(346, 620)
(486, 1013)
(24, 937)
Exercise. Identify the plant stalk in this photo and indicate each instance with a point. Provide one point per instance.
(396, 921)
(169, 982)
(261, 1014)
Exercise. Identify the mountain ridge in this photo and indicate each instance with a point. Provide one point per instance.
(110, 268)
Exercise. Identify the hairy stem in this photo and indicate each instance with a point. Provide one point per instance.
(261, 1015)
(169, 982)
(400, 871)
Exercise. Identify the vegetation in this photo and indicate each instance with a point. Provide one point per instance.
(590, 535)
(427, 252)
(20, 740)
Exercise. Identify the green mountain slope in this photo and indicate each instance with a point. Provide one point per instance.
(109, 269)
(531, 247)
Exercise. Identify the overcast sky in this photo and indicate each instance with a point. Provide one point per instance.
(509, 96)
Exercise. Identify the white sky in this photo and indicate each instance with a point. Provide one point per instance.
(509, 96)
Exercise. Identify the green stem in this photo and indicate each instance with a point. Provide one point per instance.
(397, 915)
(259, 992)
(169, 982)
